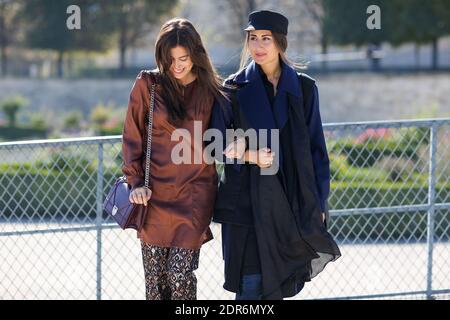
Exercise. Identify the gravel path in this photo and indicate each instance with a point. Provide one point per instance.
(63, 266)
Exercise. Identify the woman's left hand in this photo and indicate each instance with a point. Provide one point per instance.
(235, 149)
(323, 217)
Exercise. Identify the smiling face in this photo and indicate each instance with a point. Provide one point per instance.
(181, 67)
(262, 47)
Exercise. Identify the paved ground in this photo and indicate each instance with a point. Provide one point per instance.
(63, 266)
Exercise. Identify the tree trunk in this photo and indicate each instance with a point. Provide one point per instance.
(13, 119)
(324, 45)
(122, 63)
(251, 6)
(70, 63)
(122, 48)
(59, 64)
(4, 58)
(375, 61)
(417, 55)
(435, 54)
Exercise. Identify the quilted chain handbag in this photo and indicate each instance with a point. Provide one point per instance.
(117, 203)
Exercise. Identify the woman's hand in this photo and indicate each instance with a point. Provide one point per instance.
(140, 195)
(265, 158)
(323, 217)
(235, 149)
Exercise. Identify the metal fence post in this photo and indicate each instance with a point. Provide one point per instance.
(98, 221)
(431, 209)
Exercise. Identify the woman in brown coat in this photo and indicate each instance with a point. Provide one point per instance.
(180, 197)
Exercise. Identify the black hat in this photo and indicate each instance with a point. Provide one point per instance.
(267, 20)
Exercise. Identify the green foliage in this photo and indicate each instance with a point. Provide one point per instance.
(107, 120)
(350, 194)
(368, 153)
(19, 133)
(68, 163)
(73, 120)
(66, 188)
(100, 115)
(419, 21)
(61, 186)
(10, 107)
(338, 166)
(415, 137)
(46, 26)
(395, 226)
(402, 21)
(49, 194)
(112, 131)
(131, 21)
(133, 18)
(346, 22)
(37, 121)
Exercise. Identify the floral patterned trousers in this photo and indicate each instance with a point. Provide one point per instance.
(169, 272)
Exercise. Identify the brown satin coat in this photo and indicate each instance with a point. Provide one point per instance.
(181, 206)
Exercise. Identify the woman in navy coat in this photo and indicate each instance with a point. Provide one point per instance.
(274, 226)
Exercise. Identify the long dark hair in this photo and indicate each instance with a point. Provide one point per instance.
(181, 32)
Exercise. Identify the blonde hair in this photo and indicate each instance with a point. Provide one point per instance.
(281, 43)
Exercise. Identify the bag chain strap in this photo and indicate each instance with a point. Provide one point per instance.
(149, 138)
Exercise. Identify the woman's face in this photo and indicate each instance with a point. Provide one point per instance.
(181, 67)
(262, 47)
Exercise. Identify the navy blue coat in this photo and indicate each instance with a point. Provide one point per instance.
(293, 242)
(258, 111)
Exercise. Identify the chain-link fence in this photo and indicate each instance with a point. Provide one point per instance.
(390, 214)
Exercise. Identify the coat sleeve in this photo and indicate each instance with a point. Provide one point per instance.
(133, 131)
(222, 119)
(319, 151)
